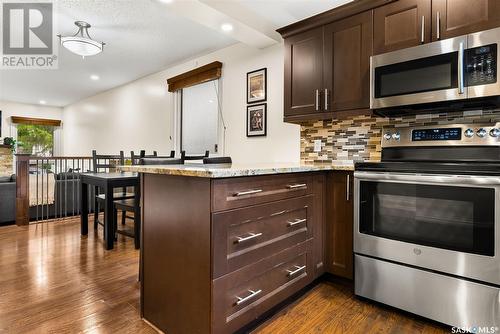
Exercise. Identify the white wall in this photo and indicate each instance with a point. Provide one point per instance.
(25, 110)
(138, 115)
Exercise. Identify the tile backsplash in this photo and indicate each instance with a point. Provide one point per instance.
(358, 138)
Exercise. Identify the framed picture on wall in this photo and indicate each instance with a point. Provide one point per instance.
(257, 120)
(257, 86)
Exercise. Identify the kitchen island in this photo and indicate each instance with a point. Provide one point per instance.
(222, 245)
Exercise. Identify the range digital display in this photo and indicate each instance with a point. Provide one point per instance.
(436, 134)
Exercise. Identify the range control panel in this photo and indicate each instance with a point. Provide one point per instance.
(456, 134)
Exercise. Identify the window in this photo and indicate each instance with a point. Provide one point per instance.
(200, 119)
(35, 139)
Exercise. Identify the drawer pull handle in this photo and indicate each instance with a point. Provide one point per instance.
(297, 270)
(296, 186)
(252, 294)
(249, 237)
(248, 192)
(296, 222)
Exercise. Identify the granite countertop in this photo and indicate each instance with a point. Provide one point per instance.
(235, 170)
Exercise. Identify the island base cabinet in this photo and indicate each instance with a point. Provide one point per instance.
(217, 254)
(244, 295)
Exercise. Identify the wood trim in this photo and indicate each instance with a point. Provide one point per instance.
(5, 146)
(22, 190)
(35, 121)
(197, 76)
(330, 16)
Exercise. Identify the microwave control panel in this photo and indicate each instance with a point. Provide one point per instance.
(481, 65)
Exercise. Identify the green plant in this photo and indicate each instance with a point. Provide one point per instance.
(11, 142)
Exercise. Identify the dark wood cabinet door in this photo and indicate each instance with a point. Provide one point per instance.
(339, 224)
(303, 72)
(348, 47)
(401, 24)
(453, 18)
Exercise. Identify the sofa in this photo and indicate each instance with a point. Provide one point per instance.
(66, 199)
(7, 199)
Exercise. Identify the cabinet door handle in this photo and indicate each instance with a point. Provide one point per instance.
(297, 270)
(317, 100)
(295, 186)
(422, 37)
(249, 237)
(296, 222)
(438, 25)
(248, 192)
(252, 295)
(348, 187)
(326, 99)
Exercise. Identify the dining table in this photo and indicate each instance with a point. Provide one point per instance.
(106, 182)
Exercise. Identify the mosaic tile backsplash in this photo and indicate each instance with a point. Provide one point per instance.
(358, 138)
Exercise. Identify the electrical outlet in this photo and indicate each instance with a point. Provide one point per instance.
(317, 145)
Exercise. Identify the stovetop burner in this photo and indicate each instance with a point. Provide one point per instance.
(431, 168)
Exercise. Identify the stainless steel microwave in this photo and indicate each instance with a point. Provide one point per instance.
(456, 69)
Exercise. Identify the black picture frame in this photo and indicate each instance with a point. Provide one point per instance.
(261, 71)
(255, 108)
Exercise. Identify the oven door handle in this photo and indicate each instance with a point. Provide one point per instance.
(431, 178)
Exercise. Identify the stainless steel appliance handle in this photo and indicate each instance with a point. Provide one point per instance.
(296, 222)
(296, 271)
(348, 187)
(295, 186)
(430, 178)
(252, 295)
(422, 36)
(317, 100)
(248, 192)
(461, 68)
(249, 237)
(326, 99)
(438, 25)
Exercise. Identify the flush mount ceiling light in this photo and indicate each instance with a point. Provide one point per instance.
(94, 77)
(81, 43)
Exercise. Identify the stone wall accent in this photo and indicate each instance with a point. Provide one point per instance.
(358, 138)
(6, 161)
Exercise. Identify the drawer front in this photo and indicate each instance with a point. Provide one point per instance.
(234, 193)
(242, 296)
(244, 236)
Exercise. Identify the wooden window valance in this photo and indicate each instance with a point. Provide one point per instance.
(35, 121)
(197, 76)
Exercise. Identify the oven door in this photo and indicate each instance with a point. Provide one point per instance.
(428, 73)
(446, 223)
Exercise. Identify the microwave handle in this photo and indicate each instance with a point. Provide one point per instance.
(461, 68)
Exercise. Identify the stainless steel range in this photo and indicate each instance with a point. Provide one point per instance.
(427, 224)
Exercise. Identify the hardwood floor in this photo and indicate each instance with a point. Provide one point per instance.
(54, 281)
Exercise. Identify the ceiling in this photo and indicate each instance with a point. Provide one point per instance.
(146, 36)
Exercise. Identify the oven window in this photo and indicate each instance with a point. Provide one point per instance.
(416, 76)
(448, 217)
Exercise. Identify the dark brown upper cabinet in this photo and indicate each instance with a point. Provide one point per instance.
(347, 50)
(401, 24)
(453, 18)
(303, 72)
